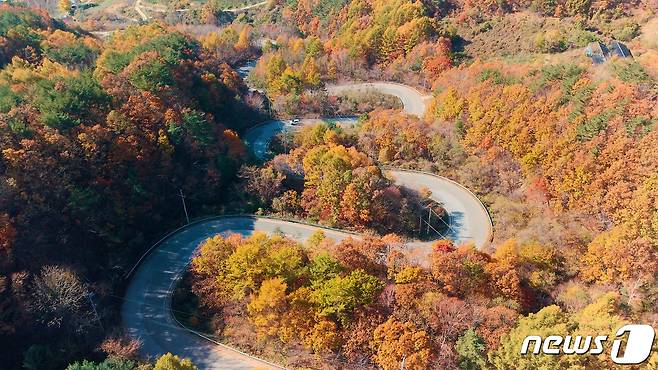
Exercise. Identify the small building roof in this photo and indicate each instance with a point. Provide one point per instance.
(620, 49)
(597, 51)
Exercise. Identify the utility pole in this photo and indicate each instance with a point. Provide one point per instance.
(429, 219)
(93, 306)
(182, 198)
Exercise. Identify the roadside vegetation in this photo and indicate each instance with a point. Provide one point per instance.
(358, 301)
(322, 179)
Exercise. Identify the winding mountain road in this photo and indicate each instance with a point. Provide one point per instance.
(146, 312)
(139, 8)
(414, 101)
(246, 7)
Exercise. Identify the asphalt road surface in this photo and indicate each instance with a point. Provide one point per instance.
(414, 101)
(258, 138)
(146, 312)
(247, 7)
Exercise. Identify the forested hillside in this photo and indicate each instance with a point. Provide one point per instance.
(97, 140)
(104, 135)
(561, 150)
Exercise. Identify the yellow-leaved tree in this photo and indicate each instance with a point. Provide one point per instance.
(173, 362)
(65, 6)
(395, 341)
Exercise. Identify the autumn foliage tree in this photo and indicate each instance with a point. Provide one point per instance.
(578, 147)
(395, 342)
(341, 186)
(232, 44)
(173, 362)
(292, 297)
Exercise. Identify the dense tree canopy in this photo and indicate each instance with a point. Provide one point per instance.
(100, 138)
(96, 140)
(329, 297)
(340, 186)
